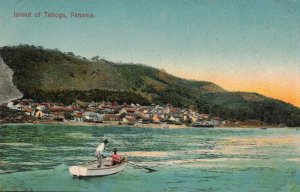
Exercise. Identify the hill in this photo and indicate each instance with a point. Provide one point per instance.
(50, 75)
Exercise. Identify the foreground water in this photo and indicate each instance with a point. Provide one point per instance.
(36, 158)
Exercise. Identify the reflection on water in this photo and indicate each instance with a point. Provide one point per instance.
(17, 144)
(36, 157)
(146, 154)
(264, 141)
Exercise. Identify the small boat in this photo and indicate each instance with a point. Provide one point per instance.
(92, 169)
(263, 128)
(203, 124)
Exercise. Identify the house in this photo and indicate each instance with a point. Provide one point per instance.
(225, 122)
(20, 106)
(102, 110)
(145, 111)
(19, 117)
(38, 113)
(216, 120)
(57, 104)
(75, 108)
(28, 111)
(90, 116)
(158, 107)
(41, 107)
(147, 116)
(129, 120)
(92, 105)
(108, 103)
(166, 110)
(203, 116)
(193, 118)
(186, 117)
(171, 118)
(45, 104)
(178, 119)
(127, 110)
(111, 117)
(146, 120)
(156, 118)
(174, 110)
(130, 110)
(12, 105)
(78, 117)
(81, 103)
(59, 112)
(123, 110)
(115, 108)
(115, 103)
(163, 117)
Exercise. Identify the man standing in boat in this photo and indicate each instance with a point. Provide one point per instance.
(99, 151)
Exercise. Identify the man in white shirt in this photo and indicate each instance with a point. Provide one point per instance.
(99, 151)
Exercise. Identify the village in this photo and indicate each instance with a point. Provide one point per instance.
(112, 113)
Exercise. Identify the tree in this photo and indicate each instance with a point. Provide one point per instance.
(71, 54)
(95, 58)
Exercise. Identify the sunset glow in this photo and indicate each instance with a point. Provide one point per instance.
(285, 87)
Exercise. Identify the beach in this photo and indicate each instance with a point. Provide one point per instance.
(150, 125)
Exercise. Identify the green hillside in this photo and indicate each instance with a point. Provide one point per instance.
(50, 75)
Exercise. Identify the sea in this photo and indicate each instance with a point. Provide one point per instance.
(37, 157)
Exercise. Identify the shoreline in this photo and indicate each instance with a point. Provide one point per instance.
(157, 126)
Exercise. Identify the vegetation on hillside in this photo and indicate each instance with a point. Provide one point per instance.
(50, 75)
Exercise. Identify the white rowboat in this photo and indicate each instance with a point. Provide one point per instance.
(91, 169)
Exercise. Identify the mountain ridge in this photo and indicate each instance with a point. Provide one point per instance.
(49, 75)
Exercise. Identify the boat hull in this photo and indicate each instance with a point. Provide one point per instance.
(91, 170)
(203, 126)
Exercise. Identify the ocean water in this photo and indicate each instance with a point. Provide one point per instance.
(37, 157)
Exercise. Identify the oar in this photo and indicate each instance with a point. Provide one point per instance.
(149, 169)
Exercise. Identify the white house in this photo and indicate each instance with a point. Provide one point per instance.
(11, 105)
(92, 116)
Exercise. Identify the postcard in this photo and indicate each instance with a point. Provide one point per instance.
(149, 95)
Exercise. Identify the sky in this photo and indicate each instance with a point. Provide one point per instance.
(241, 45)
